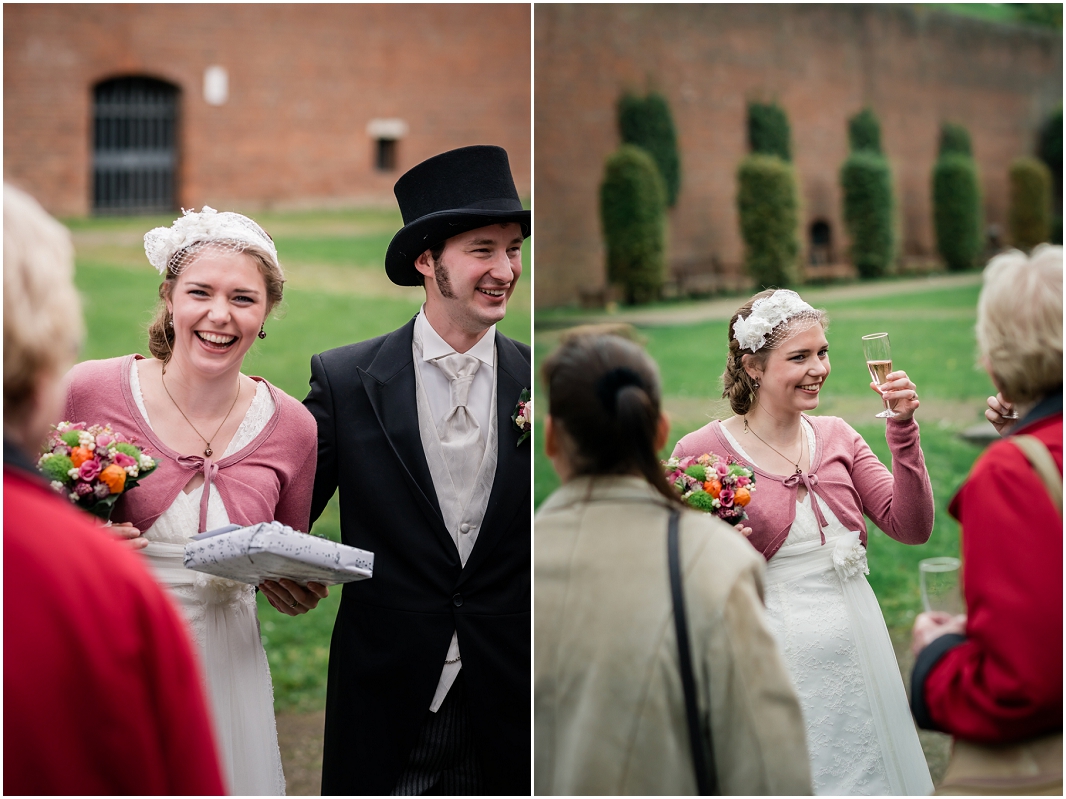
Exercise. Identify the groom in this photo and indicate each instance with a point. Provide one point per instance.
(429, 668)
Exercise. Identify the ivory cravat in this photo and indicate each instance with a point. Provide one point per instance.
(460, 433)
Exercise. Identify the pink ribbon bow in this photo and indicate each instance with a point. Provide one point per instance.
(209, 468)
(810, 481)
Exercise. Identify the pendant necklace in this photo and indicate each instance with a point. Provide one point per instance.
(207, 450)
(747, 429)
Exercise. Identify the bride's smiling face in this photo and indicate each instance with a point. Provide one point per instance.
(793, 374)
(218, 304)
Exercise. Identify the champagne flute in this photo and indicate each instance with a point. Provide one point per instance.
(879, 361)
(940, 585)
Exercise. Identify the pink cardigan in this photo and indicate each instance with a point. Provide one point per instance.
(845, 474)
(269, 479)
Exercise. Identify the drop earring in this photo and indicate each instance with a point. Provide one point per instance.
(262, 333)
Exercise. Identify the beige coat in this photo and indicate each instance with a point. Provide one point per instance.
(609, 712)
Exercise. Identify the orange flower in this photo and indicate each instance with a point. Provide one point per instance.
(78, 456)
(713, 487)
(114, 477)
(741, 497)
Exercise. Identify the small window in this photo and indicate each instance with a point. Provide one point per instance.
(821, 243)
(385, 159)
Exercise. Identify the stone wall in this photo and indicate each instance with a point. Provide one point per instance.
(822, 63)
(304, 82)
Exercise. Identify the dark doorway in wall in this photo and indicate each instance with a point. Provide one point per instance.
(385, 155)
(134, 146)
(821, 243)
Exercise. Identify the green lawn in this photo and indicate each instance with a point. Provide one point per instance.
(336, 293)
(932, 339)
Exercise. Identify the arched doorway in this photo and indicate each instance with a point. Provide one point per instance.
(820, 241)
(134, 146)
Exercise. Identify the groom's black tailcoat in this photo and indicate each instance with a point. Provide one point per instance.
(393, 630)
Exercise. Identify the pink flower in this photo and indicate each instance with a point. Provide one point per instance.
(686, 462)
(101, 490)
(742, 481)
(82, 489)
(89, 470)
(721, 469)
(726, 498)
(103, 441)
(124, 460)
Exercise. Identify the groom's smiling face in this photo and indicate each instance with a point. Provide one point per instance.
(468, 286)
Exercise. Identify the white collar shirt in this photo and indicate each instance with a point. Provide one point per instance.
(436, 384)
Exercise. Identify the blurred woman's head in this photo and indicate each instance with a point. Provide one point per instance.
(1019, 323)
(42, 318)
(758, 328)
(605, 409)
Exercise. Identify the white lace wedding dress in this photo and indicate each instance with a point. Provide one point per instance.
(222, 618)
(860, 735)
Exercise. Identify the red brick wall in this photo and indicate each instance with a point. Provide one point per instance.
(304, 80)
(822, 63)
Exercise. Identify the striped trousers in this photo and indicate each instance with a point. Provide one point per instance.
(443, 760)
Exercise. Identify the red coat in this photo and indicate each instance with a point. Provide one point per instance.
(101, 691)
(1003, 680)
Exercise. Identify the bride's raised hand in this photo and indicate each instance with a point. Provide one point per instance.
(899, 389)
(291, 598)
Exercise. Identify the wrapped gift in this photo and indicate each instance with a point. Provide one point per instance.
(270, 551)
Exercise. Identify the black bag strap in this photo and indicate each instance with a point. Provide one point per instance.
(706, 778)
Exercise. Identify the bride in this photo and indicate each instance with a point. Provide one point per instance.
(233, 449)
(816, 479)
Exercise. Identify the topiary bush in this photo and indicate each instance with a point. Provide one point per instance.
(866, 181)
(1051, 154)
(648, 123)
(864, 131)
(768, 131)
(1030, 203)
(957, 210)
(633, 215)
(955, 139)
(768, 206)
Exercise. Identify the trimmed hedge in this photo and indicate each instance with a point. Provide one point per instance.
(1030, 203)
(866, 181)
(1051, 154)
(957, 210)
(768, 206)
(768, 130)
(864, 131)
(633, 215)
(648, 123)
(955, 139)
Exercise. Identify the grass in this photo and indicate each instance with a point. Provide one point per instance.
(336, 293)
(932, 339)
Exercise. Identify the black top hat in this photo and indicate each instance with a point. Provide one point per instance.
(446, 195)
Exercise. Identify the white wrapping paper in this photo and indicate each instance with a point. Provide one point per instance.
(270, 551)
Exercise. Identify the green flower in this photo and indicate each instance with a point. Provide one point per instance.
(697, 472)
(700, 500)
(70, 438)
(56, 468)
(128, 449)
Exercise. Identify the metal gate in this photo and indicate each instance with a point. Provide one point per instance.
(134, 146)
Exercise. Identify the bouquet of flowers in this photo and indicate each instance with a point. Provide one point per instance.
(713, 485)
(93, 466)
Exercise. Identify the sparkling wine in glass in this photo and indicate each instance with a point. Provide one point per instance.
(940, 585)
(879, 361)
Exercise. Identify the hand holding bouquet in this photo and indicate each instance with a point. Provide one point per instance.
(93, 466)
(713, 485)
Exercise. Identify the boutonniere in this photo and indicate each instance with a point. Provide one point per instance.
(522, 416)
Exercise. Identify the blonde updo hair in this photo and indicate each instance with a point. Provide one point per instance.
(161, 334)
(1019, 322)
(737, 385)
(42, 310)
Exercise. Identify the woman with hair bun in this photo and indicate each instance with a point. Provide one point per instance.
(608, 711)
(816, 479)
(233, 449)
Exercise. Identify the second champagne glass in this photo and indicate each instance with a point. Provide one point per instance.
(879, 361)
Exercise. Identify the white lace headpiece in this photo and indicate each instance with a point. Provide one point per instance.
(194, 232)
(766, 324)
